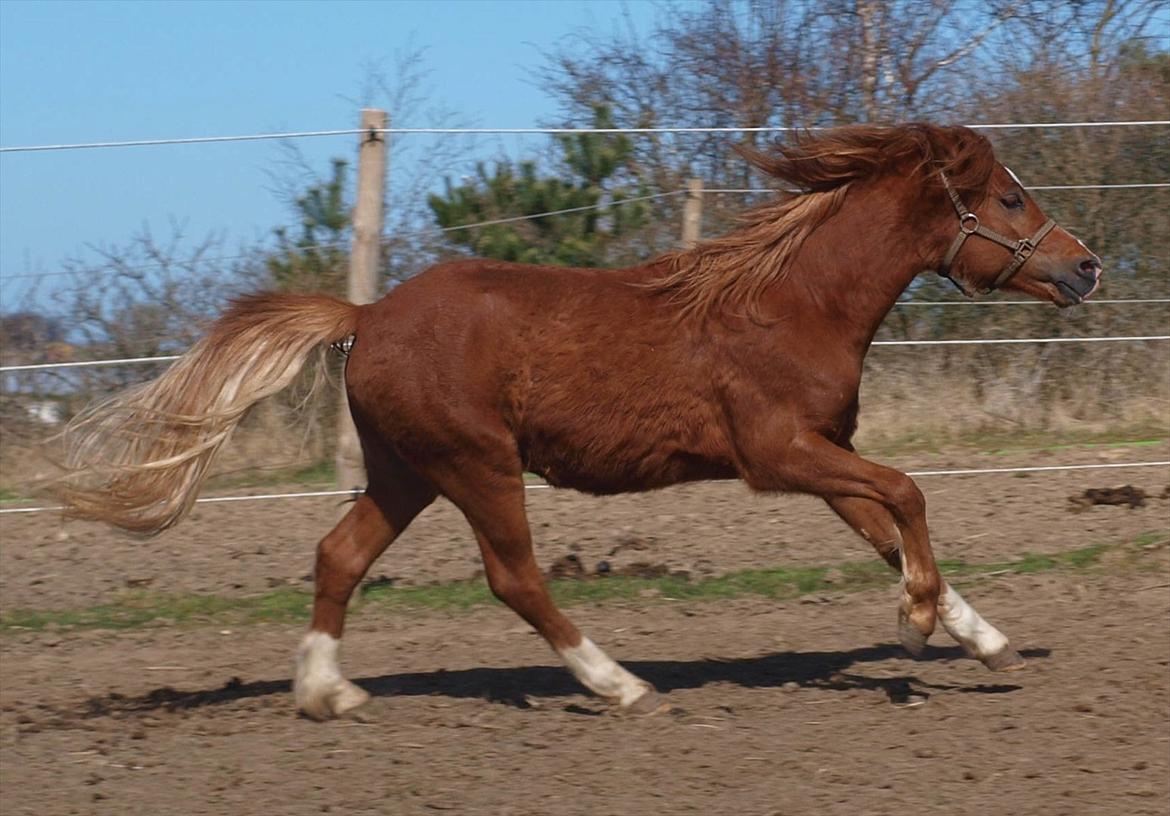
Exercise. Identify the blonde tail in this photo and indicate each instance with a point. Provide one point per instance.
(137, 460)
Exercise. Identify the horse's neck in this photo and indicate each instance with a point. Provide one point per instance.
(854, 268)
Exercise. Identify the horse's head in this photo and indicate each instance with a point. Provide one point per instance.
(936, 195)
(1003, 240)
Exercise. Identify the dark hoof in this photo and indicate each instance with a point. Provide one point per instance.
(648, 705)
(1006, 660)
(909, 635)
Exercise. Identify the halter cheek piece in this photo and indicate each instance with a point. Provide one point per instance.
(969, 225)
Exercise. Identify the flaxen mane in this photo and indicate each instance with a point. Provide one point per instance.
(733, 270)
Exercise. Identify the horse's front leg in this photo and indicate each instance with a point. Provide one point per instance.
(873, 522)
(810, 463)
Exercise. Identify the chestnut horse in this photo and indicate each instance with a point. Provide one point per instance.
(738, 358)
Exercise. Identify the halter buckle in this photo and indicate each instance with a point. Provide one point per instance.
(968, 218)
(1024, 249)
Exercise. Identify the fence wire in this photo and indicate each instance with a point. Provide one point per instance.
(305, 134)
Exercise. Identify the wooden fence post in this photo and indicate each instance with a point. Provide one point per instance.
(692, 213)
(365, 252)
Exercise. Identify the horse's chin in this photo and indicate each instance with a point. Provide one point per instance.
(1067, 296)
(1060, 295)
(1070, 290)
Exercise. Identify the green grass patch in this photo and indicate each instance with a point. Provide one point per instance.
(1153, 538)
(291, 605)
(139, 609)
(7, 495)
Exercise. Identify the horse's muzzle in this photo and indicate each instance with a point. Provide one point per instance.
(1078, 283)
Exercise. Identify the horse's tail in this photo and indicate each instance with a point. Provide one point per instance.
(136, 460)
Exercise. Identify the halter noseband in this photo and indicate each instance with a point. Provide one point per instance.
(969, 225)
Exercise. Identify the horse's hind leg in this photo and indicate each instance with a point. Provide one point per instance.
(874, 523)
(515, 579)
(494, 506)
(395, 496)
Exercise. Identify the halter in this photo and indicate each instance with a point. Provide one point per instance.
(969, 225)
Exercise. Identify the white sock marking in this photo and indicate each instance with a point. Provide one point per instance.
(317, 659)
(601, 675)
(319, 688)
(966, 626)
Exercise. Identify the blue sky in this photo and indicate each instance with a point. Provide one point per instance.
(100, 71)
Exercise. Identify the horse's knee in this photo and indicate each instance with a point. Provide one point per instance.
(906, 499)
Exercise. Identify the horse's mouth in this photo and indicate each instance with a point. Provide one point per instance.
(1072, 292)
(1070, 296)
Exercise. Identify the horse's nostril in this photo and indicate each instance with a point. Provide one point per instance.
(1090, 268)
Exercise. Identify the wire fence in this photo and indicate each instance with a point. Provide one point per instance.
(553, 131)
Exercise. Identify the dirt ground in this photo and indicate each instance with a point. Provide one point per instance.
(705, 529)
(796, 707)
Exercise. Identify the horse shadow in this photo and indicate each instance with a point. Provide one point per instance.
(518, 686)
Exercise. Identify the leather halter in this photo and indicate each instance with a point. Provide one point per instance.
(969, 225)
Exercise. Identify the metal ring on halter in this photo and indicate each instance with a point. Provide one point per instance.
(964, 218)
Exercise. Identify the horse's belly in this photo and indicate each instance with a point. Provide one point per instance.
(593, 466)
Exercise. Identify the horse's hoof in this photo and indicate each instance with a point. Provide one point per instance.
(333, 701)
(647, 705)
(910, 636)
(1005, 660)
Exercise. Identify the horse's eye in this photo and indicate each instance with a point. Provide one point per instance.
(1012, 201)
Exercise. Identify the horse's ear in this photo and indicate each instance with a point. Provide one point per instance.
(964, 155)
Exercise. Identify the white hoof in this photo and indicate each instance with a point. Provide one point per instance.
(319, 689)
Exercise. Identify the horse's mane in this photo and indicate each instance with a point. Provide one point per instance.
(734, 269)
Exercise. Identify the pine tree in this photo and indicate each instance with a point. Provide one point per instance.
(317, 260)
(595, 176)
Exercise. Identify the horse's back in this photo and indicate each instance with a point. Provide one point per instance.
(489, 315)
